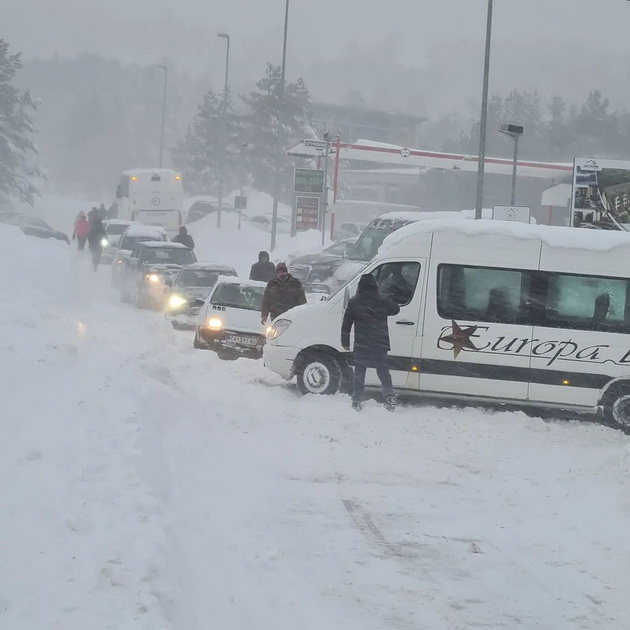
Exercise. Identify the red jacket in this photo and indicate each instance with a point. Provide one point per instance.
(81, 228)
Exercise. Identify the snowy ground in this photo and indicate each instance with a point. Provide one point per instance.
(148, 485)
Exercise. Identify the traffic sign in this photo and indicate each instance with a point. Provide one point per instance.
(308, 180)
(240, 203)
(306, 213)
(519, 214)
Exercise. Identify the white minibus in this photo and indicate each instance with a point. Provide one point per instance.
(152, 197)
(489, 311)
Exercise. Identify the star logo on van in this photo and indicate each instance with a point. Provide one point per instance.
(460, 338)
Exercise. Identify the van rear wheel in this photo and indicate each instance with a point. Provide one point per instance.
(617, 406)
(319, 374)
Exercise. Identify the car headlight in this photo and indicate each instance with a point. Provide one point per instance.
(153, 277)
(273, 332)
(214, 323)
(176, 301)
(104, 242)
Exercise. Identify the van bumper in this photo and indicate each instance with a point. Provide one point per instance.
(280, 359)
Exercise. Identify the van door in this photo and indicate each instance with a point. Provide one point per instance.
(403, 282)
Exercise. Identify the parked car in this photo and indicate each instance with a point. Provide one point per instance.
(114, 228)
(229, 320)
(32, 226)
(149, 270)
(202, 208)
(263, 222)
(349, 230)
(316, 268)
(134, 234)
(188, 291)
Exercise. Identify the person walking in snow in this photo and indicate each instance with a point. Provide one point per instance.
(95, 238)
(81, 229)
(263, 270)
(368, 311)
(184, 238)
(282, 293)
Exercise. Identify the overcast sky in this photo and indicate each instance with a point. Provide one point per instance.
(414, 31)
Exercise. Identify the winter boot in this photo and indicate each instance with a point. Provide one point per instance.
(390, 403)
(356, 405)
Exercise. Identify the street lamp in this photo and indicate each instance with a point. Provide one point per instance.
(163, 115)
(224, 130)
(515, 132)
(484, 116)
(276, 186)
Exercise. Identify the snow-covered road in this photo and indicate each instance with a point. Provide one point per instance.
(148, 485)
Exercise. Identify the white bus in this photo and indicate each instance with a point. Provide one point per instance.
(152, 197)
(489, 311)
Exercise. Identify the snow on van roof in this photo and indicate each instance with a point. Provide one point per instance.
(139, 229)
(427, 215)
(554, 236)
(163, 245)
(241, 281)
(144, 171)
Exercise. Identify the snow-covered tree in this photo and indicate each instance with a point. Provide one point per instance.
(273, 123)
(18, 167)
(213, 135)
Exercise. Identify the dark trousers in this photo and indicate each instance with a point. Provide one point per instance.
(96, 258)
(361, 364)
(81, 241)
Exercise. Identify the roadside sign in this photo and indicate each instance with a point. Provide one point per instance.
(519, 214)
(308, 180)
(306, 213)
(319, 146)
(240, 203)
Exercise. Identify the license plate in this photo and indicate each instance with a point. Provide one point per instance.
(245, 341)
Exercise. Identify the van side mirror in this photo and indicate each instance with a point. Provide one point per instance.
(168, 282)
(345, 255)
(197, 303)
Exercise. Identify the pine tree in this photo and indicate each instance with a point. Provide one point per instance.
(273, 123)
(213, 135)
(17, 165)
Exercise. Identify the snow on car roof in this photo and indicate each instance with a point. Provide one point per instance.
(144, 171)
(119, 222)
(554, 236)
(240, 281)
(139, 229)
(210, 266)
(162, 245)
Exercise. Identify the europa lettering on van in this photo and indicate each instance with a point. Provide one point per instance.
(460, 338)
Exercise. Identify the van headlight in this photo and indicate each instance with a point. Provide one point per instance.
(176, 301)
(104, 242)
(152, 277)
(214, 323)
(273, 332)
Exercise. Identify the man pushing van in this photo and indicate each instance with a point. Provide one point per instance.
(368, 311)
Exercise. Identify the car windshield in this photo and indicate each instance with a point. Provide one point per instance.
(242, 296)
(337, 249)
(168, 256)
(200, 277)
(129, 242)
(372, 238)
(115, 229)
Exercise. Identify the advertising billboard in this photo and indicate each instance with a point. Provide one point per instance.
(601, 194)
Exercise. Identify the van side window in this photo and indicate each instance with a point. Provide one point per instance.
(481, 293)
(587, 302)
(397, 281)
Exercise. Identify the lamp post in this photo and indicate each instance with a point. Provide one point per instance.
(224, 129)
(276, 186)
(515, 132)
(484, 115)
(163, 115)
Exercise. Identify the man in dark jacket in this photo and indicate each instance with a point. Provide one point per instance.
(184, 238)
(282, 293)
(263, 270)
(96, 236)
(368, 311)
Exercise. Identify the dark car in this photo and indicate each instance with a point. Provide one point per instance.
(32, 226)
(191, 287)
(316, 268)
(202, 208)
(149, 271)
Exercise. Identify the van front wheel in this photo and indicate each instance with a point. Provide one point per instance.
(319, 374)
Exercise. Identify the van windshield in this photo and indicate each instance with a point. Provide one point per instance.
(235, 295)
(373, 236)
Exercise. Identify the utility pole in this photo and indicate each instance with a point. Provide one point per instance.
(281, 114)
(484, 116)
(163, 115)
(224, 128)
